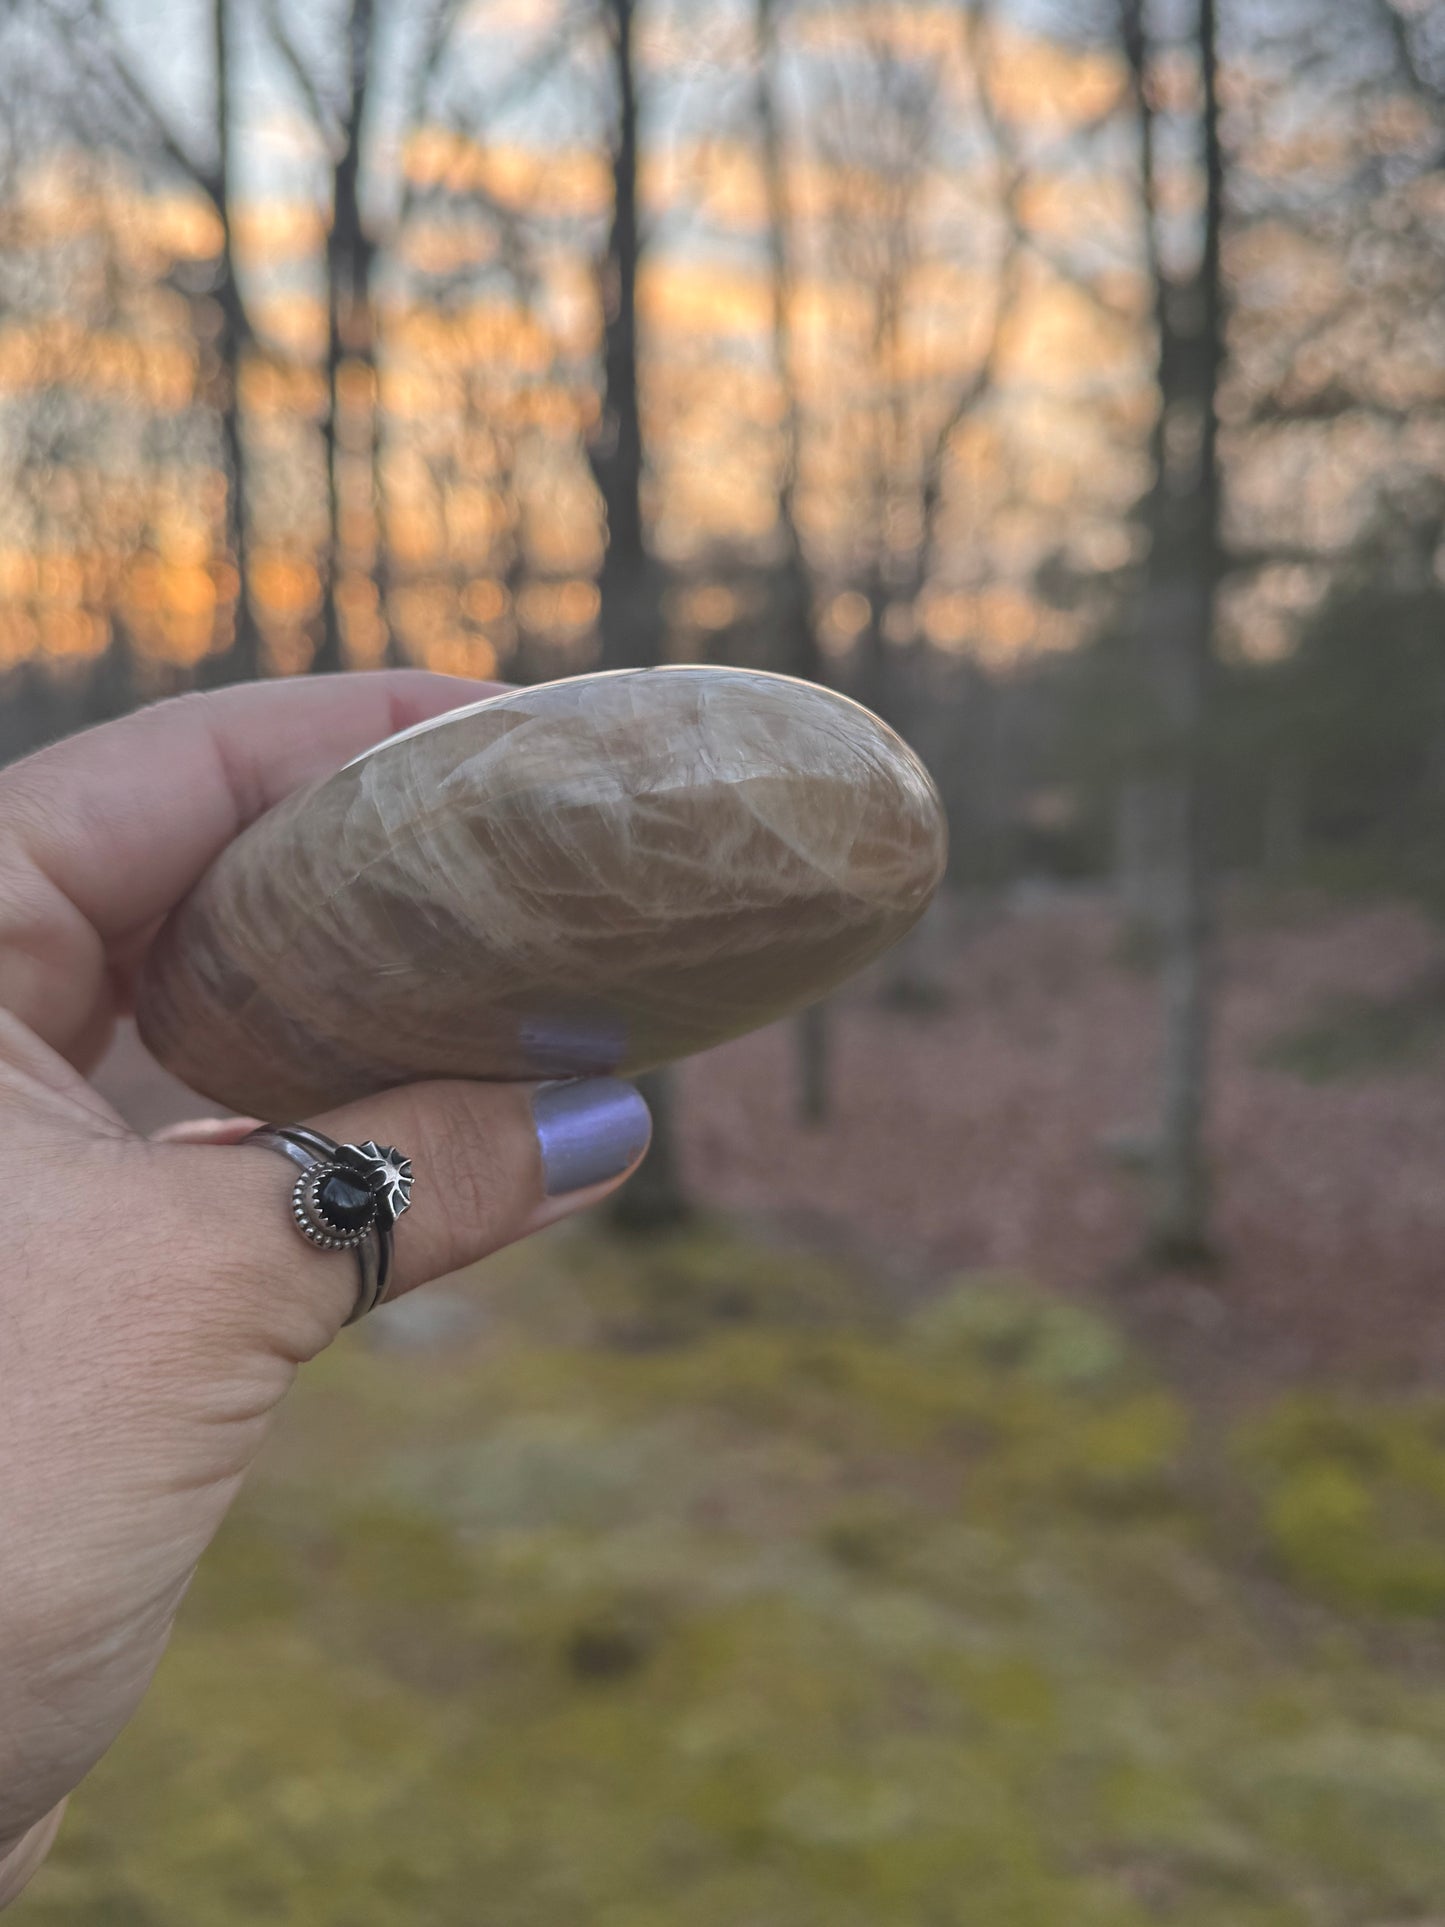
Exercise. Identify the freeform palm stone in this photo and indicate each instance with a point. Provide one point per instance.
(595, 875)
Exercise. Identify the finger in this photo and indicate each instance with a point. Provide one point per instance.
(104, 833)
(492, 1163)
(495, 1161)
(207, 1130)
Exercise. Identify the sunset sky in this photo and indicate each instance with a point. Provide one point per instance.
(488, 386)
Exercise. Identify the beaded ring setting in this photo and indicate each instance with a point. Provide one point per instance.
(347, 1198)
(337, 1202)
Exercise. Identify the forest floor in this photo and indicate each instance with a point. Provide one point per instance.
(690, 1588)
(1001, 1131)
(816, 1567)
(994, 1125)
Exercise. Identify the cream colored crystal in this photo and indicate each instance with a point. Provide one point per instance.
(595, 875)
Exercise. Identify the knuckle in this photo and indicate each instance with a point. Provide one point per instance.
(472, 1159)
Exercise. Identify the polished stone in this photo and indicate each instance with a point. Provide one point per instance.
(591, 876)
(346, 1201)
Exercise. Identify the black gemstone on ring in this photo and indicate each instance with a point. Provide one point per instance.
(345, 1200)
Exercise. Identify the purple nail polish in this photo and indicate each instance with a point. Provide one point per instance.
(589, 1130)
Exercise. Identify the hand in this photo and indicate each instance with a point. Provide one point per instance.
(156, 1301)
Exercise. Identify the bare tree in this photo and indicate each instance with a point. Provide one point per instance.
(629, 610)
(797, 650)
(363, 231)
(499, 436)
(350, 317)
(84, 502)
(877, 136)
(339, 110)
(241, 661)
(629, 614)
(114, 103)
(1176, 630)
(885, 139)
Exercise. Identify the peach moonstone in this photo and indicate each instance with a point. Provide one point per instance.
(595, 875)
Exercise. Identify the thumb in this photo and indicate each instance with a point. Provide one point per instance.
(492, 1163)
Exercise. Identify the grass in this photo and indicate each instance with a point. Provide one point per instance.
(693, 1592)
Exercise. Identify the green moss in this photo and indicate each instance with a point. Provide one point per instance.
(998, 1321)
(871, 1533)
(792, 1619)
(676, 1288)
(1353, 1500)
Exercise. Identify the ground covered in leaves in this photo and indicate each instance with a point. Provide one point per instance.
(699, 1589)
(1000, 1121)
(990, 1110)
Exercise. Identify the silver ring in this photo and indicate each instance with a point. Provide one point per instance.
(347, 1198)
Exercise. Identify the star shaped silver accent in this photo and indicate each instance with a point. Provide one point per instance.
(390, 1176)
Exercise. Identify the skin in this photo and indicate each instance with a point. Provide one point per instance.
(156, 1302)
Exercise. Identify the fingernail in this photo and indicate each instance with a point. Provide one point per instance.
(589, 1131)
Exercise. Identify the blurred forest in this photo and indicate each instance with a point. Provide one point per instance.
(1064, 382)
(968, 1527)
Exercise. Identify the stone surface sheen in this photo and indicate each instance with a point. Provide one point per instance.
(589, 876)
(347, 1201)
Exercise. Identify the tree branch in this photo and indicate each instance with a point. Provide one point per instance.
(985, 374)
(324, 115)
(116, 66)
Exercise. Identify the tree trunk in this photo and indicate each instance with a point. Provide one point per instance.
(349, 339)
(815, 1062)
(1178, 1230)
(242, 656)
(797, 650)
(240, 660)
(1142, 853)
(1177, 639)
(629, 614)
(1284, 819)
(653, 1199)
(328, 654)
(111, 684)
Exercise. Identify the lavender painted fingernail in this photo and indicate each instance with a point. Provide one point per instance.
(589, 1130)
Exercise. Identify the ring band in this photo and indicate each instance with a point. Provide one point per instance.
(347, 1198)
